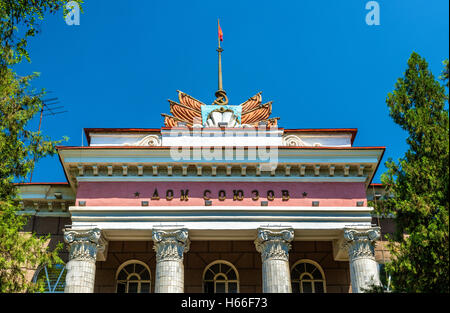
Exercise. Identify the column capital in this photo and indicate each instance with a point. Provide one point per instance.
(83, 244)
(274, 243)
(170, 244)
(360, 242)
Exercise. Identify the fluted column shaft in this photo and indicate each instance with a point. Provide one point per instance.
(170, 245)
(83, 246)
(361, 252)
(274, 246)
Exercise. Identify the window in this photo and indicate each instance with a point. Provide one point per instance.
(220, 277)
(133, 277)
(307, 277)
(54, 278)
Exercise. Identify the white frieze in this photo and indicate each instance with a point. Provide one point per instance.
(170, 244)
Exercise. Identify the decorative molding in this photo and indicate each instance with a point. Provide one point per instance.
(293, 141)
(360, 243)
(346, 165)
(186, 178)
(216, 117)
(95, 170)
(84, 244)
(288, 170)
(258, 170)
(124, 170)
(317, 170)
(274, 243)
(346, 170)
(150, 140)
(102, 249)
(170, 244)
(80, 170)
(332, 168)
(110, 170)
(228, 170)
(48, 207)
(361, 170)
(302, 170)
(243, 170)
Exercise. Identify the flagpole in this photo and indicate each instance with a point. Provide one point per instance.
(220, 68)
(218, 38)
(219, 50)
(221, 95)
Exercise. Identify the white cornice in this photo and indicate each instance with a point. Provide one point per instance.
(43, 214)
(219, 213)
(127, 210)
(219, 179)
(157, 164)
(138, 156)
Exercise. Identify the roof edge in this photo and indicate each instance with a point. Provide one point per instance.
(203, 147)
(87, 131)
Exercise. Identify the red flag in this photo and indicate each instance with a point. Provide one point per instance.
(220, 31)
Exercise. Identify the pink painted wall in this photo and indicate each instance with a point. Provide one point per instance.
(123, 193)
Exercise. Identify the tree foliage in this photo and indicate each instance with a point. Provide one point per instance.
(20, 147)
(20, 20)
(419, 182)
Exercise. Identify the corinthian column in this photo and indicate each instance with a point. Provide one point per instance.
(170, 244)
(273, 244)
(363, 267)
(83, 246)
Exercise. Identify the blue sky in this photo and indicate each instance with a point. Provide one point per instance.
(318, 61)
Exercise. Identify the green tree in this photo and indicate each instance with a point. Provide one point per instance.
(419, 182)
(20, 147)
(19, 20)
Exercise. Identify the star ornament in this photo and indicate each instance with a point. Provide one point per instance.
(136, 194)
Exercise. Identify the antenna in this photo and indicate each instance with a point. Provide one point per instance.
(48, 109)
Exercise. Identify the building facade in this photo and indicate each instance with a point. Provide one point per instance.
(220, 199)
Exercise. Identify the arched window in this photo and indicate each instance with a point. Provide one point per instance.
(307, 277)
(133, 277)
(220, 277)
(54, 278)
